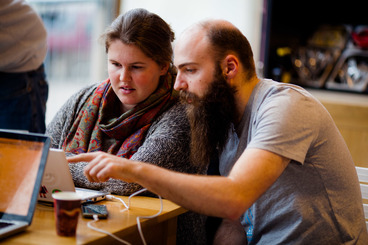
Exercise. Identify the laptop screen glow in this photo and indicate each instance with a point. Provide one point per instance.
(19, 160)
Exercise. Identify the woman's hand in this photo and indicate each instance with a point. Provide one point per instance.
(103, 166)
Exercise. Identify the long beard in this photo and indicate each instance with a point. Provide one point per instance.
(210, 118)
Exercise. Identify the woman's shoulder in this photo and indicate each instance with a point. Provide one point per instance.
(85, 91)
(177, 109)
(80, 96)
(175, 114)
(174, 118)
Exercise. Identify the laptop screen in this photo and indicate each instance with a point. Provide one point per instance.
(22, 160)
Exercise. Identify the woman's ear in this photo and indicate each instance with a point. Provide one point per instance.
(230, 66)
(164, 69)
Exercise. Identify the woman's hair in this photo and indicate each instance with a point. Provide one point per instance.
(148, 31)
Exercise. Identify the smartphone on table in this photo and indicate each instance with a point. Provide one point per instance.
(90, 209)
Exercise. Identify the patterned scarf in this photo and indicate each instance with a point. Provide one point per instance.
(100, 127)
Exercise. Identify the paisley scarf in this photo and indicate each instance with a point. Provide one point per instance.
(100, 126)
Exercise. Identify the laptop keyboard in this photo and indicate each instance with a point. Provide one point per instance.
(4, 224)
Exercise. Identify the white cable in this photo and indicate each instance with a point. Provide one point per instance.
(95, 219)
(147, 217)
(111, 197)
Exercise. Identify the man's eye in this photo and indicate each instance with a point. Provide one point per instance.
(190, 70)
(115, 64)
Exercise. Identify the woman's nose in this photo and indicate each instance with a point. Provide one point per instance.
(124, 74)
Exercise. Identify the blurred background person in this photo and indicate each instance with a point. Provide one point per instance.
(23, 85)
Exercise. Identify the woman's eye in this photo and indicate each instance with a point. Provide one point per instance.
(190, 70)
(115, 64)
(137, 67)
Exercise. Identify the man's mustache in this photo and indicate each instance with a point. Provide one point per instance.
(189, 98)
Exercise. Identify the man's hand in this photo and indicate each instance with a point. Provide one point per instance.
(103, 166)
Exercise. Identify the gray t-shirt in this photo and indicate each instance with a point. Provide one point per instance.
(317, 198)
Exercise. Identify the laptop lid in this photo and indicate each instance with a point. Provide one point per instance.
(22, 162)
(57, 177)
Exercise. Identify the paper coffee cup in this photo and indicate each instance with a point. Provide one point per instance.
(67, 206)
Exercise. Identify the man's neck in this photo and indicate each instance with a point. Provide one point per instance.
(244, 91)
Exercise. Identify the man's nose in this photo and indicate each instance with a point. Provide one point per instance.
(180, 83)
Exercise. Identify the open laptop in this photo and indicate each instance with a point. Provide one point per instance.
(57, 177)
(22, 162)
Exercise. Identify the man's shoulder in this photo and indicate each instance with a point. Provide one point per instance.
(285, 94)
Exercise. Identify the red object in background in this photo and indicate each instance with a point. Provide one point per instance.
(361, 38)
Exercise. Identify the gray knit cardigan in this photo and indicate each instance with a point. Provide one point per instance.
(166, 145)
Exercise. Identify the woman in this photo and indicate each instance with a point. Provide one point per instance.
(134, 113)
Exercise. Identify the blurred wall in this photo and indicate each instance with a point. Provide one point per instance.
(245, 14)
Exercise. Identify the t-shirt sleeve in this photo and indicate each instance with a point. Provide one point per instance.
(285, 124)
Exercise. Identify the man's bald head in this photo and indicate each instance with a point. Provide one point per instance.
(222, 38)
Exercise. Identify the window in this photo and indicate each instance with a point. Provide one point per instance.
(75, 57)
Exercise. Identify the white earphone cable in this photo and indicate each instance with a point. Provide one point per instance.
(111, 197)
(95, 219)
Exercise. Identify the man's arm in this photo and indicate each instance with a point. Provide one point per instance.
(227, 197)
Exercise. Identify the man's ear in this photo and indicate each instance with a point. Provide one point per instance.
(230, 66)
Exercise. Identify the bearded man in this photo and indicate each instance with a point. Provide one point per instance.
(287, 176)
